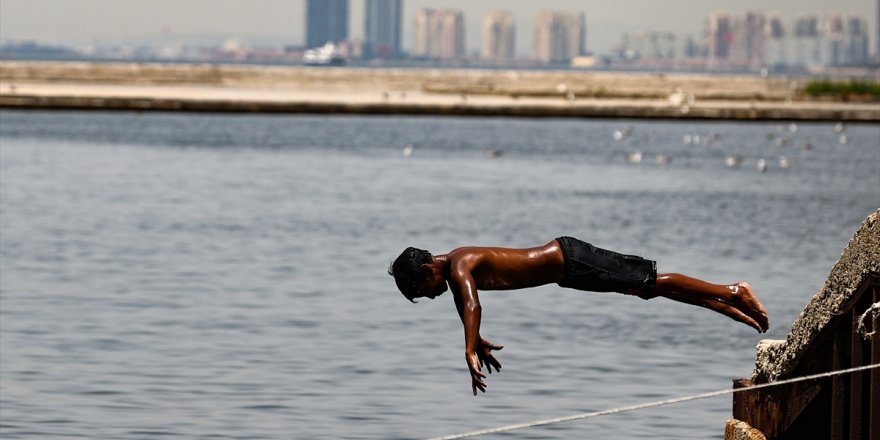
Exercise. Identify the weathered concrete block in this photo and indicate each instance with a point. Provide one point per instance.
(739, 430)
(860, 259)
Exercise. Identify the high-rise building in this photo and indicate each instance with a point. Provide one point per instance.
(852, 43)
(877, 35)
(326, 21)
(439, 34)
(420, 32)
(719, 36)
(559, 36)
(576, 33)
(498, 36)
(382, 27)
(748, 43)
(777, 38)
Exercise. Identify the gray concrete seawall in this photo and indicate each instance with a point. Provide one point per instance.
(835, 332)
(275, 89)
(775, 360)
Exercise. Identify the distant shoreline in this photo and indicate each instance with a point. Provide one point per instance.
(452, 92)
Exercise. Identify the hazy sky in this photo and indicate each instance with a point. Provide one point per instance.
(85, 22)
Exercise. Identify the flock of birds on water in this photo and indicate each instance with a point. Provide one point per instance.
(730, 161)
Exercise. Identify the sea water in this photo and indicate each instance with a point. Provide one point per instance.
(216, 276)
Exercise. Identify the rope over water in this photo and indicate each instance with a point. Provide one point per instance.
(653, 404)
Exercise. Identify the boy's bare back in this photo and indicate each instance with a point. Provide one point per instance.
(496, 268)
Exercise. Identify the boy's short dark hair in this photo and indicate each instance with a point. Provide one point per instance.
(407, 271)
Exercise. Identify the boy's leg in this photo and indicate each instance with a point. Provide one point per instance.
(737, 301)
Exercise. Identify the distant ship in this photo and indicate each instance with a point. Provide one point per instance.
(326, 55)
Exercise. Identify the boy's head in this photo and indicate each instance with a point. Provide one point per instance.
(409, 273)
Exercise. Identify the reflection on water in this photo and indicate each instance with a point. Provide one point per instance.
(225, 276)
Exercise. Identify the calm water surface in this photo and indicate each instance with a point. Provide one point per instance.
(202, 276)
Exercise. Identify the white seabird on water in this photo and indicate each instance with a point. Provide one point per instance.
(620, 134)
(634, 157)
(762, 165)
(408, 150)
(492, 153)
(732, 161)
(784, 163)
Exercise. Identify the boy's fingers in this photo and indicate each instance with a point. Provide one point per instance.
(496, 364)
(492, 345)
(492, 362)
(478, 384)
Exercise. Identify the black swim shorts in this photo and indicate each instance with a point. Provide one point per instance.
(599, 270)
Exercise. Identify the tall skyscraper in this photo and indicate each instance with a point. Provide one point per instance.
(559, 36)
(382, 27)
(498, 36)
(420, 32)
(747, 47)
(326, 21)
(719, 36)
(777, 38)
(439, 34)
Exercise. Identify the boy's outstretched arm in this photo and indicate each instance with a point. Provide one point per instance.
(484, 346)
(467, 302)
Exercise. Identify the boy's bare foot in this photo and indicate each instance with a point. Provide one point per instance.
(722, 307)
(746, 302)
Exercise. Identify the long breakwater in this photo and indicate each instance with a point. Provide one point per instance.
(286, 89)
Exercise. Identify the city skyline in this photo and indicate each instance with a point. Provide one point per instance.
(283, 21)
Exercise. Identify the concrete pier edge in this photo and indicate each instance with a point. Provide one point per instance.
(857, 271)
(775, 359)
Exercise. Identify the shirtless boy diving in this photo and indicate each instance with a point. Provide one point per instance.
(565, 261)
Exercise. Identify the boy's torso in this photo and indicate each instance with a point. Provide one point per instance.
(505, 268)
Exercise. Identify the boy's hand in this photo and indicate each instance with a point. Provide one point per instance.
(476, 376)
(484, 352)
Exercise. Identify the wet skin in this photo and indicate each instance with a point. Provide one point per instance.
(469, 269)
